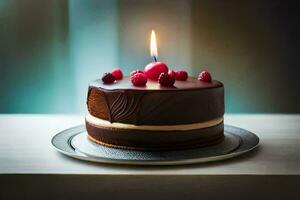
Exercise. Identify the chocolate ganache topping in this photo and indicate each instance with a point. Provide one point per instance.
(190, 101)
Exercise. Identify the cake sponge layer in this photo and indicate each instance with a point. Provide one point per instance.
(155, 140)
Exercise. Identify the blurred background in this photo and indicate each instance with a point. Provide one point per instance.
(51, 50)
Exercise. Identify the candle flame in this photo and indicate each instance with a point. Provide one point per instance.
(153, 46)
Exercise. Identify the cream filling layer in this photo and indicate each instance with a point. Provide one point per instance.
(181, 127)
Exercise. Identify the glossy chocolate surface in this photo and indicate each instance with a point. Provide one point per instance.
(190, 101)
(125, 84)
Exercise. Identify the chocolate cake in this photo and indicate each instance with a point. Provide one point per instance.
(189, 114)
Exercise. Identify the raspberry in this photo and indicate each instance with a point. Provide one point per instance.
(172, 73)
(138, 79)
(108, 78)
(181, 75)
(204, 76)
(136, 71)
(117, 74)
(165, 79)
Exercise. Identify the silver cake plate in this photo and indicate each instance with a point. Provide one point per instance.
(73, 142)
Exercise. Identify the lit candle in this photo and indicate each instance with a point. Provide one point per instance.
(154, 69)
(153, 46)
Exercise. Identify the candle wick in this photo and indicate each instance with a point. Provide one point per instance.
(154, 57)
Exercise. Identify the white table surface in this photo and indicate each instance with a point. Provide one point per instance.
(25, 148)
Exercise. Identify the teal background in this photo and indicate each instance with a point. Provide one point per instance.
(51, 50)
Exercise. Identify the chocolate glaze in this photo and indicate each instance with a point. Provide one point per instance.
(125, 84)
(156, 140)
(187, 102)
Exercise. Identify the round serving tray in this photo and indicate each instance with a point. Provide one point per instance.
(73, 142)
